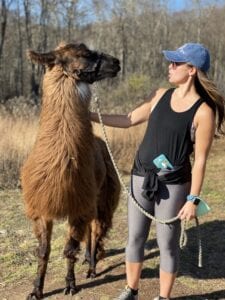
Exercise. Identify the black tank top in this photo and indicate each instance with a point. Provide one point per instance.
(169, 133)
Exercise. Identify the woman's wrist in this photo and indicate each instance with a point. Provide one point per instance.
(195, 199)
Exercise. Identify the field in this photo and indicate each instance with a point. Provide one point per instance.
(17, 243)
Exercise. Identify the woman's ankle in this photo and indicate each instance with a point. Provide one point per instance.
(134, 291)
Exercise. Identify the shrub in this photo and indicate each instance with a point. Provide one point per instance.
(19, 107)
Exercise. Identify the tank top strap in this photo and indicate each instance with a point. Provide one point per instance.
(163, 105)
(169, 92)
(196, 105)
(167, 96)
(194, 108)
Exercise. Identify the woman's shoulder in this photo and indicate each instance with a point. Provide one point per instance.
(204, 115)
(205, 110)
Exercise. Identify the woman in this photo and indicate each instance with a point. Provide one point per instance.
(177, 118)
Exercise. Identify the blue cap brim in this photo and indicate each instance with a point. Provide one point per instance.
(174, 56)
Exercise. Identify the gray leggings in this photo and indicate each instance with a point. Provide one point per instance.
(168, 203)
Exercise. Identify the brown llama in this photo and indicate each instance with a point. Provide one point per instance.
(69, 173)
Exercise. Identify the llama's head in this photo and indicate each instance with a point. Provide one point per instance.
(79, 62)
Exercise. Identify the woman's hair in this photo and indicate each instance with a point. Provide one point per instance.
(209, 92)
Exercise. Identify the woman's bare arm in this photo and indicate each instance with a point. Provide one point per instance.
(205, 131)
(204, 136)
(135, 117)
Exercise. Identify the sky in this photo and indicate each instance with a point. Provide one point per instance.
(178, 5)
(172, 5)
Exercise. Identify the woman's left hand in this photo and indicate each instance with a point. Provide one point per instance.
(188, 211)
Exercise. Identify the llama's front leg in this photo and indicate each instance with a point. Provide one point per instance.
(43, 232)
(72, 247)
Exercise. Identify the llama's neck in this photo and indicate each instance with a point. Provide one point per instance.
(65, 116)
(84, 92)
(62, 91)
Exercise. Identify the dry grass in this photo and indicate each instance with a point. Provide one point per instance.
(17, 135)
(17, 138)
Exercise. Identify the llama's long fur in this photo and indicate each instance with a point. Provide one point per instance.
(69, 173)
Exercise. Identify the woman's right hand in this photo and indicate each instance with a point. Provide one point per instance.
(188, 211)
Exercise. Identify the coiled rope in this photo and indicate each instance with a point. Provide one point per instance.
(183, 235)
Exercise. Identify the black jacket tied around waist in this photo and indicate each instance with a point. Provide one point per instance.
(152, 177)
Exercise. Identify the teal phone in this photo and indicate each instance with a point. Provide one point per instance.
(202, 208)
(162, 162)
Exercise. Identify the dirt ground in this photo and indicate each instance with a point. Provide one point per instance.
(18, 265)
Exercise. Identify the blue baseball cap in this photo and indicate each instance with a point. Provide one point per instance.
(193, 53)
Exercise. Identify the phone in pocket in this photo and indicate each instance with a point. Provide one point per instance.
(162, 162)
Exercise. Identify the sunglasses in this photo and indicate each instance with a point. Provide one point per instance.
(176, 64)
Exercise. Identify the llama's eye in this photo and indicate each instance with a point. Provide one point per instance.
(90, 56)
(86, 56)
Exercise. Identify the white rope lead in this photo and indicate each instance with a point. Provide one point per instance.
(183, 236)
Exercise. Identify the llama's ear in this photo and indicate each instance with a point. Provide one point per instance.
(61, 45)
(42, 58)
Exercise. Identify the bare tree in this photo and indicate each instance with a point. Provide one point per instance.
(20, 60)
(34, 86)
(5, 5)
(135, 31)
